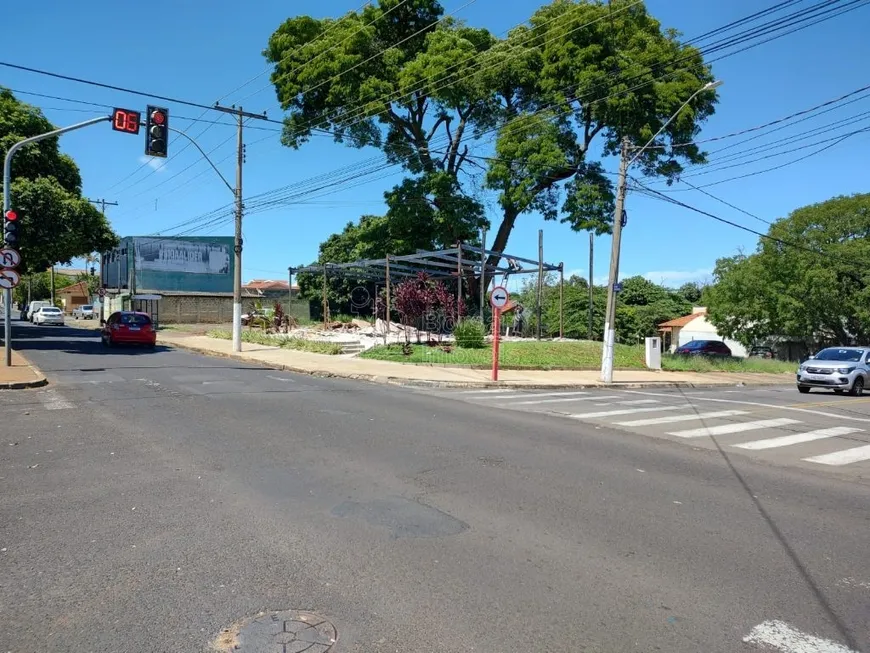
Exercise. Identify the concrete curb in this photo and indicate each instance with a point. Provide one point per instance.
(423, 383)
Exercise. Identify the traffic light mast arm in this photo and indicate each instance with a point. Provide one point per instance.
(7, 163)
(205, 156)
(7, 201)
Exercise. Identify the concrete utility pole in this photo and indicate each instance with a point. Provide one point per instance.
(618, 218)
(103, 204)
(237, 246)
(613, 277)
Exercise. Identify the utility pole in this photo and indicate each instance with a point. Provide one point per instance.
(591, 286)
(237, 246)
(51, 278)
(613, 277)
(103, 204)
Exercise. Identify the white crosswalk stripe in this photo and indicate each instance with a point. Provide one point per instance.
(512, 395)
(625, 411)
(845, 457)
(799, 438)
(643, 415)
(669, 419)
(561, 400)
(740, 427)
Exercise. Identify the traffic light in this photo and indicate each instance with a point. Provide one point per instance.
(156, 131)
(10, 229)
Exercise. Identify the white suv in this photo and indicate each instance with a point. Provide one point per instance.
(85, 312)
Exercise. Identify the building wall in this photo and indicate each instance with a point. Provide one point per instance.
(196, 309)
(193, 264)
(151, 265)
(701, 329)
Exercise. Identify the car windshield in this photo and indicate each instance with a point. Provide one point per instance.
(694, 344)
(87, 308)
(135, 320)
(846, 355)
(51, 310)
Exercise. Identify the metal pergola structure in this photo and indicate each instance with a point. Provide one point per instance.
(459, 262)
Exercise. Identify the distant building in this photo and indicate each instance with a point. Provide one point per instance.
(695, 326)
(187, 279)
(271, 291)
(74, 296)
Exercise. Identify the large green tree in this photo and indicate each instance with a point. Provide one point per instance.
(57, 223)
(807, 280)
(580, 71)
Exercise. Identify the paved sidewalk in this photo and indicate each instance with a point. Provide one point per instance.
(398, 373)
(21, 375)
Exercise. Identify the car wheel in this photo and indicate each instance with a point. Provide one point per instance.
(803, 389)
(857, 387)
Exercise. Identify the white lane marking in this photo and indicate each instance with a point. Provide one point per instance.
(853, 455)
(783, 637)
(52, 400)
(735, 428)
(682, 418)
(523, 395)
(799, 438)
(756, 403)
(552, 401)
(626, 411)
(478, 392)
(278, 378)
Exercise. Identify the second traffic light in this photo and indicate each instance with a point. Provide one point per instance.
(10, 229)
(156, 131)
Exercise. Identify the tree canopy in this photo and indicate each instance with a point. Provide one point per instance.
(57, 223)
(424, 89)
(805, 281)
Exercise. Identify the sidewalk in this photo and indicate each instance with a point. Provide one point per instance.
(421, 375)
(21, 375)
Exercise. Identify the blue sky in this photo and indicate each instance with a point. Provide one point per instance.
(203, 50)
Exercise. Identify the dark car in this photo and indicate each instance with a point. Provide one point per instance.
(704, 348)
(129, 328)
(762, 352)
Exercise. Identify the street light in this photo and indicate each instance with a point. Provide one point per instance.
(613, 277)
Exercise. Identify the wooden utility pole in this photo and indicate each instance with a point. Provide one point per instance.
(591, 285)
(239, 209)
(540, 277)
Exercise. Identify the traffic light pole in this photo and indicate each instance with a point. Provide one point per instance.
(103, 203)
(239, 210)
(7, 202)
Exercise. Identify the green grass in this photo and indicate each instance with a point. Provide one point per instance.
(583, 355)
(285, 342)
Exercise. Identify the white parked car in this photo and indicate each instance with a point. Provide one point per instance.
(48, 315)
(85, 312)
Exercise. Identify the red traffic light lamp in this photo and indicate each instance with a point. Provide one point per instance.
(11, 215)
(158, 117)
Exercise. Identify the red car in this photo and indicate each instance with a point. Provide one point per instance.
(129, 328)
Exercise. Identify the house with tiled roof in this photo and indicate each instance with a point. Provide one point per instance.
(695, 326)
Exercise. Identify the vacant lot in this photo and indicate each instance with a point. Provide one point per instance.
(583, 355)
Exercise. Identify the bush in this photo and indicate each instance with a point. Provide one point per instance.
(470, 334)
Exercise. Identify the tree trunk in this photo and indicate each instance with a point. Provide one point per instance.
(500, 242)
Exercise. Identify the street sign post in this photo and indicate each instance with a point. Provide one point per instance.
(9, 258)
(9, 279)
(498, 299)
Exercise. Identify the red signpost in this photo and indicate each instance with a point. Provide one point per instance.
(498, 299)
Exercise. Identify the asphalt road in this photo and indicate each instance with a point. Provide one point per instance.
(149, 500)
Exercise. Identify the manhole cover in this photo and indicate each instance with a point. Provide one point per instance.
(282, 632)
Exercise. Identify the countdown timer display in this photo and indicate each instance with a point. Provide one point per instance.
(125, 120)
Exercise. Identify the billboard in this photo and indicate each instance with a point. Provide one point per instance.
(193, 264)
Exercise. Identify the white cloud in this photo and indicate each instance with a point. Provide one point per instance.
(600, 280)
(156, 164)
(679, 277)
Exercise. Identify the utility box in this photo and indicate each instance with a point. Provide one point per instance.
(653, 348)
